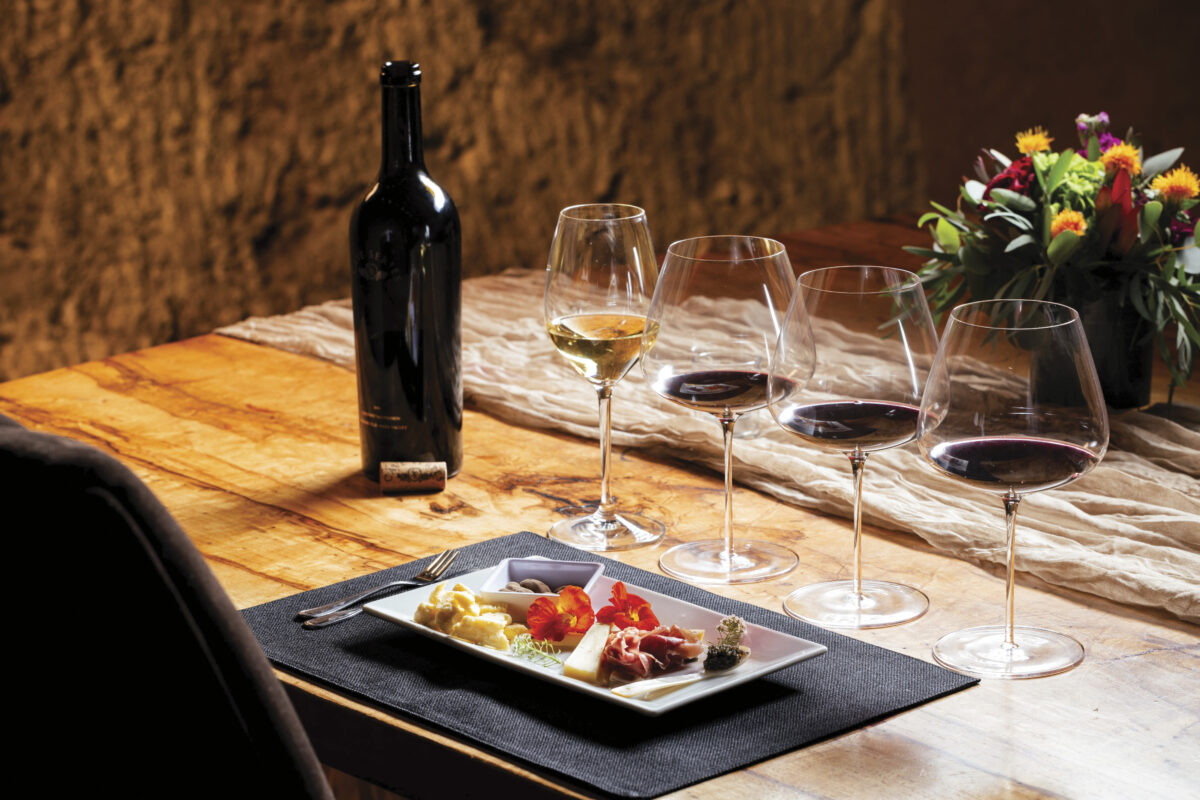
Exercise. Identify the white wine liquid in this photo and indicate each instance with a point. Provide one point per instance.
(601, 347)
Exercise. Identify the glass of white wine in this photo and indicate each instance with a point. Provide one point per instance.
(599, 281)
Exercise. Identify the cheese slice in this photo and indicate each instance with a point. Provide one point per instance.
(584, 662)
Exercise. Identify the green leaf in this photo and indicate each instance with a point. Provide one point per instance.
(1160, 163)
(1181, 317)
(947, 235)
(1150, 214)
(1135, 296)
(1043, 286)
(1011, 199)
(1017, 285)
(935, 255)
(1004, 160)
(1020, 241)
(1016, 219)
(973, 191)
(1063, 247)
(1189, 258)
(1093, 148)
(1047, 220)
(1059, 171)
(927, 217)
(946, 211)
(973, 261)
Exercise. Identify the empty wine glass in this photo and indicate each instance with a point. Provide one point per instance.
(1012, 406)
(846, 377)
(599, 280)
(711, 327)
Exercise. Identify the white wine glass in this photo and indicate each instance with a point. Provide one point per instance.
(599, 280)
(846, 377)
(1012, 406)
(711, 327)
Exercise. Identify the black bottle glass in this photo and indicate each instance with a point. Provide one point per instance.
(405, 256)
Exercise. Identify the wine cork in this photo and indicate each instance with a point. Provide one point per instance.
(402, 477)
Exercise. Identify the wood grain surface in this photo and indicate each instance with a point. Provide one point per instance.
(255, 452)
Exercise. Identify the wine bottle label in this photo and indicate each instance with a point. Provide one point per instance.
(401, 477)
(382, 421)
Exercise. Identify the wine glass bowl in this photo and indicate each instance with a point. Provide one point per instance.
(600, 277)
(846, 377)
(1012, 406)
(710, 329)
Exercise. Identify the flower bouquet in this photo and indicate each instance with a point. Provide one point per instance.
(1095, 227)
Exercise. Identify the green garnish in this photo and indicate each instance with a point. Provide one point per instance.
(731, 631)
(539, 652)
(728, 651)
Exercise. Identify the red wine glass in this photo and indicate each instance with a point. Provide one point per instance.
(1012, 406)
(710, 329)
(600, 276)
(846, 377)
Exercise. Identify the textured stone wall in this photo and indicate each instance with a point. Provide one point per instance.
(166, 168)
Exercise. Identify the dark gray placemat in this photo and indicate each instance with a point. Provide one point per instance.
(581, 738)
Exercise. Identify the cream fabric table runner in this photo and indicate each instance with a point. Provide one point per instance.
(1128, 531)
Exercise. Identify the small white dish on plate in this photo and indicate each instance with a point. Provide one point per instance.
(554, 574)
(770, 650)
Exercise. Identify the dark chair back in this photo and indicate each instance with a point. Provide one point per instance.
(136, 673)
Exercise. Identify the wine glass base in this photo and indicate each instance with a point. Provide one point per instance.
(983, 652)
(709, 562)
(877, 604)
(597, 532)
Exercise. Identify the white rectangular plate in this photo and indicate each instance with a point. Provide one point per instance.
(769, 650)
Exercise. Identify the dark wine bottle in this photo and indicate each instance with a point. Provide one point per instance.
(405, 256)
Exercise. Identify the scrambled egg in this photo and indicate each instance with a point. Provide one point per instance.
(457, 611)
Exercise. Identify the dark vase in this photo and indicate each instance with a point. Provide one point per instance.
(1122, 345)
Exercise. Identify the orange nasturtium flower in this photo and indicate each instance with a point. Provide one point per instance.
(627, 610)
(553, 620)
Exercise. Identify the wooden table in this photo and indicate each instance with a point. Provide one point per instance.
(255, 451)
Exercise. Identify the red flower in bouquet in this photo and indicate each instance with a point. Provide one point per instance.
(1117, 219)
(1016, 177)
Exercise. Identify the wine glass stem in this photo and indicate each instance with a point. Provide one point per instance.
(1011, 501)
(604, 392)
(727, 430)
(858, 464)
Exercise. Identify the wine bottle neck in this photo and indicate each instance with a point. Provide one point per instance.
(401, 130)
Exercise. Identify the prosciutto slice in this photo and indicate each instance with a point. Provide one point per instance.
(634, 654)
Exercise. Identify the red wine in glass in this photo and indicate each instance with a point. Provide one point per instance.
(846, 377)
(713, 320)
(1023, 464)
(713, 391)
(870, 424)
(1012, 406)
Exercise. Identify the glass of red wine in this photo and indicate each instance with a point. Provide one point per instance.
(1012, 406)
(710, 329)
(846, 377)
(600, 276)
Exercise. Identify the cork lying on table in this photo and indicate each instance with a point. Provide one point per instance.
(404, 477)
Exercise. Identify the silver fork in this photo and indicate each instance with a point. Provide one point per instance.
(338, 610)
